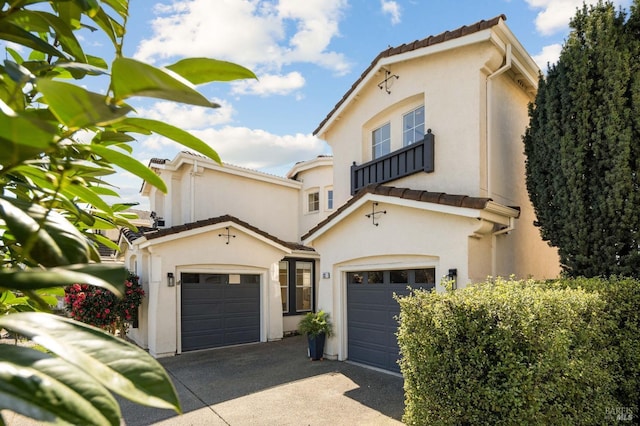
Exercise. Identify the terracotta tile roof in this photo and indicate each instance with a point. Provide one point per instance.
(418, 44)
(131, 235)
(466, 201)
(153, 234)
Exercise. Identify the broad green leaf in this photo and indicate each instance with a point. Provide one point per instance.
(125, 206)
(120, 6)
(48, 237)
(23, 137)
(89, 7)
(86, 195)
(134, 78)
(39, 245)
(108, 136)
(104, 275)
(14, 33)
(120, 366)
(174, 133)
(18, 73)
(70, 13)
(97, 62)
(103, 190)
(76, 107)
(105, 241)
(205, 70)
(110, 26)
(130, 164)
(81, 68)
(44, 387)
(40, 21)
(15, 55)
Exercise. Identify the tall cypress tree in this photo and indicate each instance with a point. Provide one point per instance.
(583, 142)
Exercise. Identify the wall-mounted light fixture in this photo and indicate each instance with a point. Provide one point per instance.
(453, 277)
(171, 280)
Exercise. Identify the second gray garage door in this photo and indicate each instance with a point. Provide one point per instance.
(219, 310)
(371, 312)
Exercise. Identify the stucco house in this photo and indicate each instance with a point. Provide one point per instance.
(223, 264)
(426, 183)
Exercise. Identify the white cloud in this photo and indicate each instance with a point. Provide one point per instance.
(392, 8)
(258, 149)
(269, 84)
(250, 32)
(549, 55)
(188, 116)
(556, 14)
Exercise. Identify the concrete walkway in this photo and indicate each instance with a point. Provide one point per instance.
(273, 384)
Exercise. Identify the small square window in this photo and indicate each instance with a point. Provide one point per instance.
(314, 202)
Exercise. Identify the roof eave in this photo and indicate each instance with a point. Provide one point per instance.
(384, 60)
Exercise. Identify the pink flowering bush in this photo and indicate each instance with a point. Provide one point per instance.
(101, 308)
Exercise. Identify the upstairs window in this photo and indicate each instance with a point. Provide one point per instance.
(381, 141)
(313, 204)
(330, 199)
(413, 126)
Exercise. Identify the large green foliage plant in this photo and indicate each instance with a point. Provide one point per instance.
(53, 185)
(582, 145)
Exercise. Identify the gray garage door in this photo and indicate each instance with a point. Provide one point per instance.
(219, 310)
(371, 312)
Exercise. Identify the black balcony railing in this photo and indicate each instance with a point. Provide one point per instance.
(414, 158)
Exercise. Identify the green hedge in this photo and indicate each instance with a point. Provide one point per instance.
(621, 330)
(521, 352)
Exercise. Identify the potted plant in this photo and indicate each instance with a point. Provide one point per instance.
(316, 326)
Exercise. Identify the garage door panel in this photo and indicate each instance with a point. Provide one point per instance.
(371, 316)
(216, 313)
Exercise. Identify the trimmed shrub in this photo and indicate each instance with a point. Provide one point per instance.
(621, 321)
(506, 352)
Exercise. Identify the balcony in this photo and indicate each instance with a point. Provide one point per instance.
(414, 158)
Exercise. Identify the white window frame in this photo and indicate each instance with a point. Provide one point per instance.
(412, 129)
(316, 202)
(329, 203)
(382, 142)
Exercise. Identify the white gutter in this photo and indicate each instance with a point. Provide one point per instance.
(192, 201)
(506, 67)
(508, 60)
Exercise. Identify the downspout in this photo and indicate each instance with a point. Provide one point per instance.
(506, 67)
(489, 117)
(192, 201)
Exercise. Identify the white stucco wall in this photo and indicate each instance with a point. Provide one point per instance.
(200, 189)
(449, 86)
(318, 179)
(522, 252)
(204, 252)
(406, 238)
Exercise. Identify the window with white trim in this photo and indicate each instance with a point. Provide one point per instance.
(330, 199)
(413, 126)
(284, 285)
(381, 141)
(313, 202)
(296, 285)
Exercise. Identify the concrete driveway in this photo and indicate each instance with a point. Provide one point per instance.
(273, 384)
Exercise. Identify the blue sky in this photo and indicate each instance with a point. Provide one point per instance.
(306, 53)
